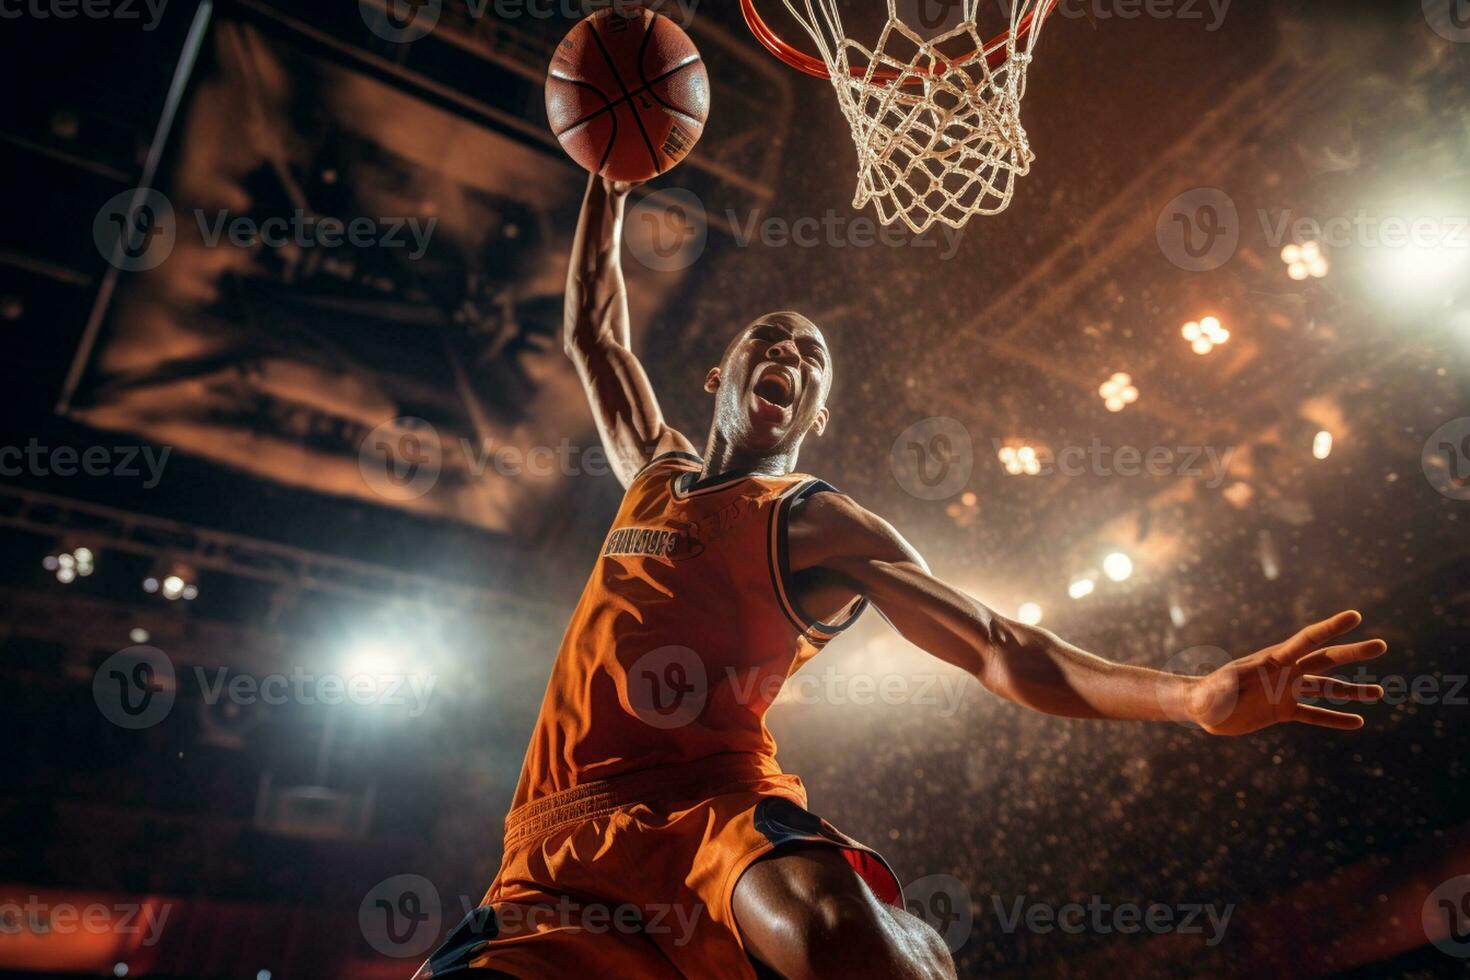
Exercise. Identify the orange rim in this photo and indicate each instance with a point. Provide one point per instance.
(995, 49)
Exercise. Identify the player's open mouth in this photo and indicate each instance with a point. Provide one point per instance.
(774, 392)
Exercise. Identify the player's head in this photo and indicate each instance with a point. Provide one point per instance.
(772, 383)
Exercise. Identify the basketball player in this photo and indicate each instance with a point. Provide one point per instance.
(653, 833)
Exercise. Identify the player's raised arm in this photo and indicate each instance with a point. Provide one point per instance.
(596, 338)
(835, 542)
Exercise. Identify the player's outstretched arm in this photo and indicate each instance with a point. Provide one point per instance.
(596, 338)
(848, 547)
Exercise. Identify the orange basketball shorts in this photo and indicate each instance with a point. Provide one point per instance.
(632, 876)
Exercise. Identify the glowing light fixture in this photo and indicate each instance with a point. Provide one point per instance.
(1118, 392)
(1305, 261)
(1322, 444)
(1029, 613)
(1020, 460)
(1205, 335)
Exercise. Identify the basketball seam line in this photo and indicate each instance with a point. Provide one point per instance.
(617, 77)
(609, 105)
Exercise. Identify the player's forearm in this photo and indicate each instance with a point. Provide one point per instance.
(596, 297)
(1025, 664)
(1038, 669)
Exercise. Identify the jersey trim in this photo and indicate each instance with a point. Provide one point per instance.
(678, 454)
(684, 485)
(813, 629)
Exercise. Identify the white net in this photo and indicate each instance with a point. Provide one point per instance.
(937, 121)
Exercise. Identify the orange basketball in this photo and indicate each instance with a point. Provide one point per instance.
(627, 93)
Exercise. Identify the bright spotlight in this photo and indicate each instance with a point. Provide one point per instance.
(1029, 613)
(173, 587)
(1322, 444)
(1418, 271)
(1081, 588)
(1117, 566)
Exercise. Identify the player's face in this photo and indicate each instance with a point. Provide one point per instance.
(773, 384)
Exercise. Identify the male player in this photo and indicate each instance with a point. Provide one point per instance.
(653, 833)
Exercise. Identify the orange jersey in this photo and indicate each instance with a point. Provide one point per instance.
(684, 634)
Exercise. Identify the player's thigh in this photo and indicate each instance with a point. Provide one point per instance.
(802, 910)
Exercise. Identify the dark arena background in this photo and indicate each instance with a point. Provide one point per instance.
(1207, 379)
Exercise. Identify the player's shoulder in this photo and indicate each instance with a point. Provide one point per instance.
(830, 523)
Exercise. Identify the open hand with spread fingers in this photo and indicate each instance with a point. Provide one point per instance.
(1268, 687)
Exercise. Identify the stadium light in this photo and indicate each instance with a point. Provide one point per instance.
(1117, 566)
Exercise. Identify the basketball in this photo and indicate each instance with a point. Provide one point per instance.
(627, 94)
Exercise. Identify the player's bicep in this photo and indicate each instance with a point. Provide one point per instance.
(624, 407)
(869, 556)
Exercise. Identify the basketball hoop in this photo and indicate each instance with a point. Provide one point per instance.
(936, 122)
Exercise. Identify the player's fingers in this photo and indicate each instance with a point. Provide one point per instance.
(1313, 686)
(1311, 637)
(1309, 714)
(1346, 653)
